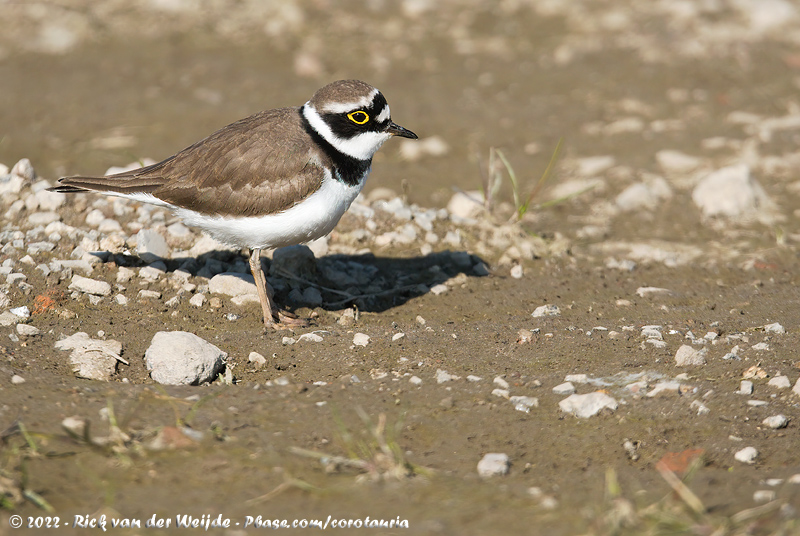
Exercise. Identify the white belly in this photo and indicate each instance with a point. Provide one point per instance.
(316, 216)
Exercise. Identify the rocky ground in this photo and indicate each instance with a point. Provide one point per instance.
(609, 351)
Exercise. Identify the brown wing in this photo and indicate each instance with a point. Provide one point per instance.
(259, 165)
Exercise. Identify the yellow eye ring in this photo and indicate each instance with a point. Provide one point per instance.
(359, 117)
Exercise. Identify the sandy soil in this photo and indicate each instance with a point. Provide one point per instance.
(89, 86)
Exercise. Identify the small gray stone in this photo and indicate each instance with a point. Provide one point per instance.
(232, 284)
(94, 359)
(588, 405)
(745, 388)
(151, 246)
(310, 337)
(746, 455)
(493, 464)
(298, 261)
(361, 339)
(688, 356)
(90, 286)
(776, 421)
(24, 330)
(780, 382)
(565, 388)
(546, 310)
(257, 359)
(183, 358)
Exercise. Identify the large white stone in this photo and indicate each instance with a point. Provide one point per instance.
(731, 192)
(183, 358)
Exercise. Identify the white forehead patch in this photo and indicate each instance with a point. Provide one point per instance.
(343, 107)
(361, 146)
(384, 115)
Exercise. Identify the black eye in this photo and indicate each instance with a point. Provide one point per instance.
(358, 117)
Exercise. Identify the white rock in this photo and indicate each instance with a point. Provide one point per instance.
(760, 347)
(688, 356)
(730, 192)
(676, 161)
(361, 339)
(648, 291)
(25, 330)
(588, 405)
(502, 393)
(500, 382)
(466, 204)
(764, 495)
(398, 336)
(444, 376)
(151, 246)
(524, 403)
(517, 271)
(493, 464)
(441, 288)
(183, 358)
(257, 359)
(546, 310)
(664, 387)
(796, 388)
(416, 380)
(232, 284)
(94, 359)
(776, 421)
(594, 165)
(121, 299)
(16, 379)
(198, 300)
(90, 286)
(774, 328)
(780, 382)
(746, 455)
(745, 388)
(643, 195)
(310, 337)
(565, 388)
(576, 378)
(701, 408)
(24, 169)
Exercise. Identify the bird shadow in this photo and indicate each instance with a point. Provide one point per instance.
(338, 281)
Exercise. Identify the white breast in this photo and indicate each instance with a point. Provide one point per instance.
(312, 218)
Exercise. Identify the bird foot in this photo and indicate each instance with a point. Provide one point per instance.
(284, 320)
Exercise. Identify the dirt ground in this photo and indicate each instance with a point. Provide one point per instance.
(621, 80)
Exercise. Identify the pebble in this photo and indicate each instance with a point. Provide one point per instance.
(257, 360)
(664, 387)
(566, 388)
(764, 495)
(310, 337)
(745, 388)
(688, 356)
(360, 339)
(198, 300)
(183, 358)
(588, 405)
(746, 455)
(398, 336)
(443, 376)
(90, 286)
(644, 292)
(775, 328)
(516, 271)
(576, 378)
(232, 284)
(776, 421)
(16, 379)
(25, 330)
(439, 289)
(151, 246)
(780, 382)
(546, 310)
(466, 205)
(93, 359)
(730, 192)
(493, 464)
(21, 312)
(796, 388)
(524, 403)
(416, 380)
(500, 382)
